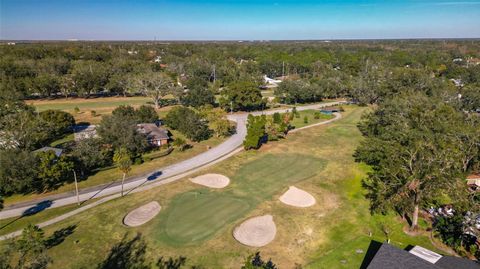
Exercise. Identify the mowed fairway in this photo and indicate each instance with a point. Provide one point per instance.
(198, 222)
(195, 216)
(101, 105)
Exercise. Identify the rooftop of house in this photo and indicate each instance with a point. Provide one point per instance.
(153, 131)
(387, 256)
(474, 176)
(58, 151)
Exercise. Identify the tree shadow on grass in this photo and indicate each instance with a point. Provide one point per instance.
(59, 236)
(130, 253)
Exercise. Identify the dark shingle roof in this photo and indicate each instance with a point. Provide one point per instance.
(449, 262)
(388, 256)
(391, 257)
(152, 131)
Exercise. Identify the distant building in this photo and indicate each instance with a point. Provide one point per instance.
(156, 136)
(383, 256)
(58, 152)
(457, 60)
(457, 82)
(132, 52)
(157, 59)
(271, 82)
(473, 181)
(84, 132)
(473, 61)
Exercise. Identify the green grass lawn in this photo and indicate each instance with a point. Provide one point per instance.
(195, 216)
(102, 106)
(299, 122)
(88, 104)
(198, 222)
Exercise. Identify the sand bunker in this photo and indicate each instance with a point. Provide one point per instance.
(256, 232)
(297, 197)
(212, 180)
(142, 214)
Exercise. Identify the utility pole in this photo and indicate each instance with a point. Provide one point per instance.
(231, 107)
(283, 69)
(76, 186)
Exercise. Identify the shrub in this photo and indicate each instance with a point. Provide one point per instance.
(146, 114)
(76, 109)
(93, 113)
(316, 115)
(59, 122)
(189, 123)
(255, 132)
(305, 119)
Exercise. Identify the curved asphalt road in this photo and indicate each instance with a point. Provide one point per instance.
(162, 176)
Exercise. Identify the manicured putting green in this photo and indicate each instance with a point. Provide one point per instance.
(197, 215)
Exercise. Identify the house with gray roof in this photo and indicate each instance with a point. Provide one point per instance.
(382, 256)
(156, 135)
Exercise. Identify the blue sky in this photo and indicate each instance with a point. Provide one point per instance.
(238, 20)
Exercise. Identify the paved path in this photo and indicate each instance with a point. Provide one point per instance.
(162, 176)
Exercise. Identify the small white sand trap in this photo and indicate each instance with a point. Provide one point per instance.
(142, 214)
(256, 232)
(297, 197)
(216, 181)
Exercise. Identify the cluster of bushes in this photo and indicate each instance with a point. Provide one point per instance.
(188, 122)
(24, 172)
(261, 129)
(27, 129)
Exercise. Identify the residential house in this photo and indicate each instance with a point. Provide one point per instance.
(382, 256)
(156, 136)
(84, 132)
(58, 151)
(473, 181)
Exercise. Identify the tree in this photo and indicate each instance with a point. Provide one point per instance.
(59, 122)
(90, 154)
(217, 120)
(18, 171)
(453, 231)
(23, 129)
(123, 160)
(255, 132)
(146, 113)
(256, 262)
(124, 111)
(295, 91)
(120, 130)
(413, 144)
(29, 251)
(188, 122)
(89, 76)
(157, 86)
(53, 170)
(243, 95)
(197, 93)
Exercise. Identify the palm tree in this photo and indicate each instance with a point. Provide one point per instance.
(123, 160)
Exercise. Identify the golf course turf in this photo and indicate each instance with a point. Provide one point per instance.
(198, 222)
(197, 215)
